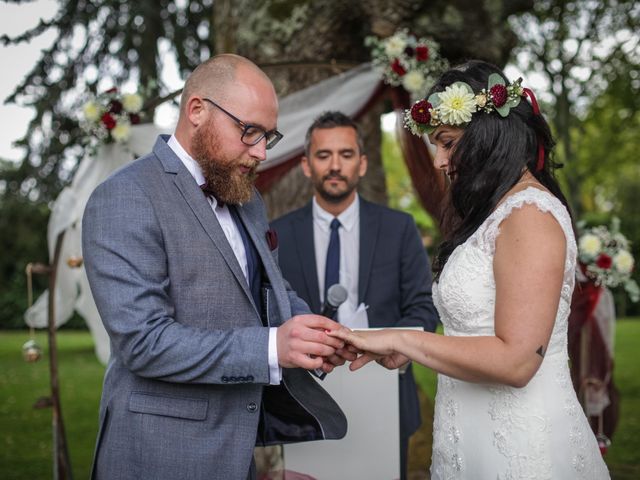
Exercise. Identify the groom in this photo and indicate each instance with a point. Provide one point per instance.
(209, 344)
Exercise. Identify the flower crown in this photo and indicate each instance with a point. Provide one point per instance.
(457, 103)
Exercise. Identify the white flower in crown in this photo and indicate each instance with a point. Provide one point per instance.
(590, 245)
(121, 132)
(395, 46)
(413, 82)
(457, 105)
(132, 102)
(623, 262)
(91, 111)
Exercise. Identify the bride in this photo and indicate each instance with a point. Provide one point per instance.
(505, 406)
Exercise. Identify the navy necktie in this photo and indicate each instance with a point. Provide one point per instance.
(332, 269)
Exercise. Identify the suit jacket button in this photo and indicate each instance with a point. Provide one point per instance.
(252, 407)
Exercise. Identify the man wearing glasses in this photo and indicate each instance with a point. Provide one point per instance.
(210, 346)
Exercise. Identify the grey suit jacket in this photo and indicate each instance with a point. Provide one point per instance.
(186, 391)
(394, 278)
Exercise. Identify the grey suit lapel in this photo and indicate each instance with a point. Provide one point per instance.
(369, 227)
(303, 231)
(268, 262)
(200, 207)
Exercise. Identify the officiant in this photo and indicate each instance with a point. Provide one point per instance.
(375, 252)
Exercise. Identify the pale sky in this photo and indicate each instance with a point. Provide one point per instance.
(17, 61)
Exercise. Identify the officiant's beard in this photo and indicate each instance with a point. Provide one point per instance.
(221, 171)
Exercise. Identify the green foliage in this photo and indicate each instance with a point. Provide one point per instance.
(23, 239)
(26, 441)
(400, 190)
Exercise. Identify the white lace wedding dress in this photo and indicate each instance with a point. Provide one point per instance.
(484, 431)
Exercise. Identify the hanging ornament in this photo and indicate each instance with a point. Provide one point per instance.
(31, 351)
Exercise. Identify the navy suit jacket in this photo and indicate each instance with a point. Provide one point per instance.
(394, 278)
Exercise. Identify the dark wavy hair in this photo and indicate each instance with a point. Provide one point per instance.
(489, 159)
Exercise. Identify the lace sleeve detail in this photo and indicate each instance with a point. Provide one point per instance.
(486, 235)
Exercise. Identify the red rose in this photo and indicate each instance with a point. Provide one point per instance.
(420, 112)
(604, 261)
(115, 107)
(134, 118)
(398, 68)
(409, 51)
(422, 53)
(108, 121)
(498, 95)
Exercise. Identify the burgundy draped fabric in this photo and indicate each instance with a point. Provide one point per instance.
(428, 182)
(591, 362)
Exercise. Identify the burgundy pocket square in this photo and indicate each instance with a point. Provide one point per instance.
(272, 239)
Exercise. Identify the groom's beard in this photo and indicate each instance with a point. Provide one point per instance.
(223, 174)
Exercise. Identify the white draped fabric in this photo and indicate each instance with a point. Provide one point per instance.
(348, 92)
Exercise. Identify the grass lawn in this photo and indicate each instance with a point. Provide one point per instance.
(623, 457)
(25, 441)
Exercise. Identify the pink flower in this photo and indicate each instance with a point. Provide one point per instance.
(498, 95)
(604, 261)
(420, 112)
(108, 121)
(422, 53)
(397, 67)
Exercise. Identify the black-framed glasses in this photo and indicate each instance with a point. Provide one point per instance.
(251, 134)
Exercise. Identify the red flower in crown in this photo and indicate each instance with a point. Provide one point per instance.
(420, 112)
(604, 261)
(498, 95)
(397, 67)
(108, 121)
(422, 53)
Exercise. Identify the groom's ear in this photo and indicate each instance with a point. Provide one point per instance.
(196, 111)
(306, 169)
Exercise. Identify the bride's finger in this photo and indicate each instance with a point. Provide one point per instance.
(361, 361)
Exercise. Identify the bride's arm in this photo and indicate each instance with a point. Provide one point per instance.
(528, 268)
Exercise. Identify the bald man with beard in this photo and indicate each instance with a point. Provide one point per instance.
(210, 346)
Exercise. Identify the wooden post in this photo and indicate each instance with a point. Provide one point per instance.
(61, 462)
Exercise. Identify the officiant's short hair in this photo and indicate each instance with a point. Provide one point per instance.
(332, 119)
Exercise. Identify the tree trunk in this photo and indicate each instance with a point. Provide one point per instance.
(299, 43)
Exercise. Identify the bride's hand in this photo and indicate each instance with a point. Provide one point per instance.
(379, 342)
(390, 362)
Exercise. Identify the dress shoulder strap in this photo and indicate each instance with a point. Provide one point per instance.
(543, 200)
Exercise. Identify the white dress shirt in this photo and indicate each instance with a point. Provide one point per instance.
(235, 240)
(349, 233)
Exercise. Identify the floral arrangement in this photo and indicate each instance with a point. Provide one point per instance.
(606, 258)
(109, 116)
(407, 61)
(456, 105)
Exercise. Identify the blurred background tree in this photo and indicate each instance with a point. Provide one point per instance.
(586, 50)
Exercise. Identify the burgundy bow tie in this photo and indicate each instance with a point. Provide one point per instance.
(208, 192)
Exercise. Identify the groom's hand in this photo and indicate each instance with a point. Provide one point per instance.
(346, 354)
(303, 342)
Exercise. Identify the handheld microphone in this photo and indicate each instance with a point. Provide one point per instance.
(336, 295)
